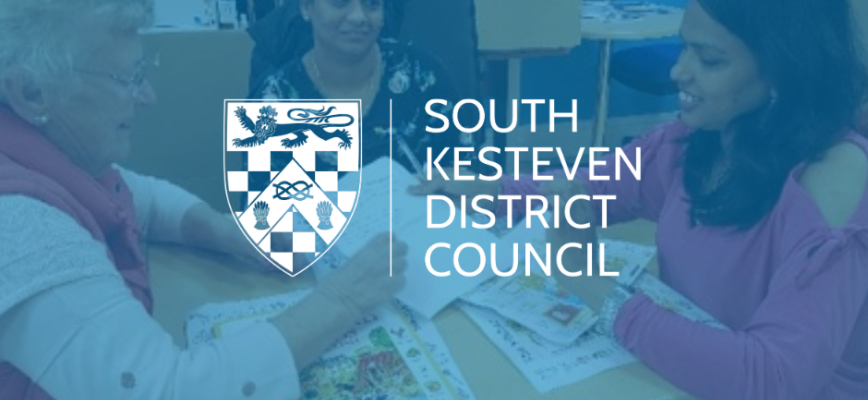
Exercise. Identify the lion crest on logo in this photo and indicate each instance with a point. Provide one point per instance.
(313, 121)
(265, 123)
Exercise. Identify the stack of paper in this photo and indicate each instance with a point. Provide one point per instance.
(384, 206)
(542, 331)
(545, 364)
(537, 303)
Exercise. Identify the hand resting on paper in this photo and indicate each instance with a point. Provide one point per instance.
(342, 298)
(581, 212)
(205, 228)
(591, 289)
(238, 246)
(364, 282)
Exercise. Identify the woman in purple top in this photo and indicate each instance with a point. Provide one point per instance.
(759, 197)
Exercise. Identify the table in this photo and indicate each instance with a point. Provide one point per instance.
(649, 26)
(185, 279)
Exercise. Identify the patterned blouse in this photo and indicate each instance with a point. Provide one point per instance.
(410, 79)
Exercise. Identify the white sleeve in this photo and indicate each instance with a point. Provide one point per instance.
(89, 339)
(160, 205)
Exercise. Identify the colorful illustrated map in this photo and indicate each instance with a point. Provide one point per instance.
(392, 354)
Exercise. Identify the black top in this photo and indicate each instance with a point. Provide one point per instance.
(410, 79)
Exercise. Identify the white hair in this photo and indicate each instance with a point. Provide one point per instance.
(42, 37)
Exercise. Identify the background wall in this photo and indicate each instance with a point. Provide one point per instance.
(860, 10)
(199, 71)
(577, 78)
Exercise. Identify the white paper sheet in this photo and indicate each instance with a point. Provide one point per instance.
(545, 364)
(513, 322)
(536, 301)
(424, 292)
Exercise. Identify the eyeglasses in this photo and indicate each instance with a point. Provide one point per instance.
(131, 83)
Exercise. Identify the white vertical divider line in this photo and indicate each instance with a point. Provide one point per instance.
(390, 187)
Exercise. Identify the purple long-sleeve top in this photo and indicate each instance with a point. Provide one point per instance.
(792, 290)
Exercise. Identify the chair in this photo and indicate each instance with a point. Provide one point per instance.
(455, 48)
(272, 46)
(646, 68)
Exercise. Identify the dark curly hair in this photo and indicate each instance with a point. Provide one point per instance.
(809, 52)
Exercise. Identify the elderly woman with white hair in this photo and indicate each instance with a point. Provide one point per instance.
(74, 295)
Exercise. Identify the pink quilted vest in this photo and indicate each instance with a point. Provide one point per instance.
(32, 166)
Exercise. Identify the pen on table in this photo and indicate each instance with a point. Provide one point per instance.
(412, 157)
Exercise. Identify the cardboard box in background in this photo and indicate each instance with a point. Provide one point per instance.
(181, 137)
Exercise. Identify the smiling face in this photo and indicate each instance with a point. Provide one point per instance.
(716, 73)
(91, 119)
(347, 27)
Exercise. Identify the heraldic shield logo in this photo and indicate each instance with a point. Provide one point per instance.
(292, 168)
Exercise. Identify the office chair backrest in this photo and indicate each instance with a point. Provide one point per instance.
(447, 30)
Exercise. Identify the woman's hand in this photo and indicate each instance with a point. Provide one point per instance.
(591, 289)
(342, 298)
(364, 282)
(205, 228)
(580, 211)
(231, 240)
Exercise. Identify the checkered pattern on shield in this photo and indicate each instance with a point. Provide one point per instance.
(296, 172)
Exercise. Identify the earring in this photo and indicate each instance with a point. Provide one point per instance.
(305, 17)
